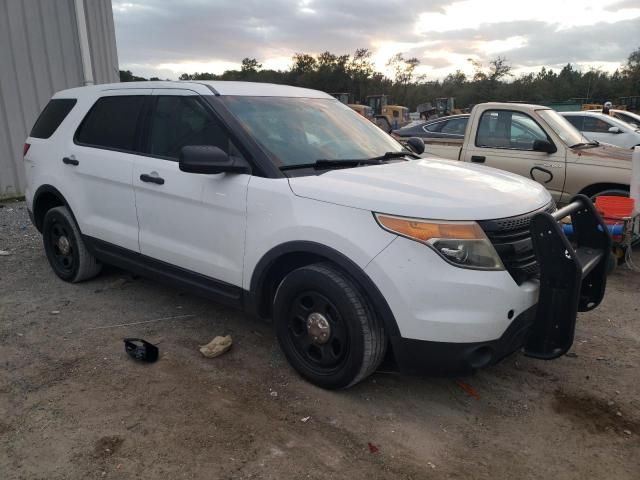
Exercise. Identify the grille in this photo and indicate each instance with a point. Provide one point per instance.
(512, 240)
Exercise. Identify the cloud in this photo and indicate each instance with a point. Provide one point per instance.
(165, 38)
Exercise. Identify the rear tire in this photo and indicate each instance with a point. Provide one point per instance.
(326, 328)
(65, 248)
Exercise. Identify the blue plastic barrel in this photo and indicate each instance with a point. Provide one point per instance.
(613, 229)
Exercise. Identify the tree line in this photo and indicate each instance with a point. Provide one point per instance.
(495, 81)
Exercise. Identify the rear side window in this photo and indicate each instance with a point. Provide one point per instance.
(434, 127)
(51, 117)
(455, 126)
(111, 123)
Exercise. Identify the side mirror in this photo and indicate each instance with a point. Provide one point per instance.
(416, 144)
(615, 130)
(544, 146)
(208, 159)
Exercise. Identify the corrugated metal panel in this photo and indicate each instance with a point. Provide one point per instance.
(40, 55)
(104, 56)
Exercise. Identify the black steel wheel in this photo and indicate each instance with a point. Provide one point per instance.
(326, 328)
(65, 249)
(64, 255)
(317, 332)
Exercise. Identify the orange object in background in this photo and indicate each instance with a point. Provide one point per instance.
(614, 208)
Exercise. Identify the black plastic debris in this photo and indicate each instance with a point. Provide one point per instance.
(141, 350)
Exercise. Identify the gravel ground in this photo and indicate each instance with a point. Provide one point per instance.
(73, 405)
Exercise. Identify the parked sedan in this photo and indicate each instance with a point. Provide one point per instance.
(604, 128)
(631, 118)
(445, 127)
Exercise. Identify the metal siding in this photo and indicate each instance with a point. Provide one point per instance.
(102, 41)
(40, 55)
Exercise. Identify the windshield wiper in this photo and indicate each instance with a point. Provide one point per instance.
(324, 163)
(403, 153)
(592, 143)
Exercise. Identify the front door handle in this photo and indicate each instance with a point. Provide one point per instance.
(70, 161)
(478, 159)
(145, 177)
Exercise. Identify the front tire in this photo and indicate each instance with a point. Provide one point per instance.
(65, 248)
(326, 328)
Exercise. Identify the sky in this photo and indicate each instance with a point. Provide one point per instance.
(165, 38)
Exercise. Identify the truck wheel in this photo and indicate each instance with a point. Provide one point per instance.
(65, 249)
(326, 328)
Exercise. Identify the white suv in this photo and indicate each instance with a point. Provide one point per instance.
(287, 203)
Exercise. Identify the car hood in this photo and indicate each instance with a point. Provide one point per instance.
(605, 152)
(427, 188)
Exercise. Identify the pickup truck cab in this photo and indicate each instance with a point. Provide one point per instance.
(538, 143)
(286, 203)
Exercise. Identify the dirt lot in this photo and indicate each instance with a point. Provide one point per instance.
(74, 405)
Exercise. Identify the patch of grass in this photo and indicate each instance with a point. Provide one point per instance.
(15, 198)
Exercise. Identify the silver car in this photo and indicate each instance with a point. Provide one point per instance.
(604, 128)
(631, 118)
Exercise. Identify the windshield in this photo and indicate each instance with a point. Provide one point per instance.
(567, 132)
(628, 117)
(302, 130)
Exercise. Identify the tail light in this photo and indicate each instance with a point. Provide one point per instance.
(25, 149)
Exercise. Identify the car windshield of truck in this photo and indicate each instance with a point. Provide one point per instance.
(301, 131)
(561, 126)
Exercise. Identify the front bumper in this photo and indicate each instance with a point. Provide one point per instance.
(452, 319)
(419, 357)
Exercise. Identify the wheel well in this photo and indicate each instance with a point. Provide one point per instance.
(276, 272)
(592, 190)
(44, 202)
(281, 260)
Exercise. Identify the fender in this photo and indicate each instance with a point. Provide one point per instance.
(261, 271)
(44, 189)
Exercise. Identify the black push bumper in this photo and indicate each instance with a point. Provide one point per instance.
(573, 276)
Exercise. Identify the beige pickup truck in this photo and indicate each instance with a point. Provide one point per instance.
(536, 142)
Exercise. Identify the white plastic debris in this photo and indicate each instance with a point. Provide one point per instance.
(216, 347)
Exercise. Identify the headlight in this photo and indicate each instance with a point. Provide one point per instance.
(463, 244)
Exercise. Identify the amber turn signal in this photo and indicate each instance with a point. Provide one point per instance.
(424, 231)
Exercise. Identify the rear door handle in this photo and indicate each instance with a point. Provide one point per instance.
(145, 177)
(70, 161)
(477, 159)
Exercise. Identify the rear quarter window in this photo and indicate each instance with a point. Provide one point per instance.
(51, 117)
(111, 123)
